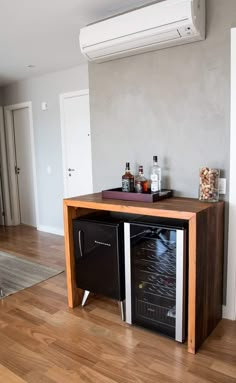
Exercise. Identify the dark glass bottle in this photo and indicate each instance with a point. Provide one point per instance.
(141, 183)
(127, 180)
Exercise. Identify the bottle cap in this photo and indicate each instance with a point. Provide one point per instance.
(155, 158)
(127, 166)
(140, 169)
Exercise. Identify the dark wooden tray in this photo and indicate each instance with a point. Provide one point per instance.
(117, 193)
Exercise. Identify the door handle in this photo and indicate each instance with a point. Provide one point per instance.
(80, 242)
(71, 170)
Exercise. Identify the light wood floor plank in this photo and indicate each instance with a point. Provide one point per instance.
(224, 368)
(8, 376)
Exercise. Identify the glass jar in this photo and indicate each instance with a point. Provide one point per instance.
(209, 184)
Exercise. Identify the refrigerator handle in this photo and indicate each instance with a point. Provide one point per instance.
(180, 284)
(80, 233)
(128, 302)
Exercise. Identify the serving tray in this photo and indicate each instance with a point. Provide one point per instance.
(148, 196)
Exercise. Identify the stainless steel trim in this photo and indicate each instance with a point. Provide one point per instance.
(80, 246)
(128, 312)
(180, 288)
(122, 309)
(85, 297)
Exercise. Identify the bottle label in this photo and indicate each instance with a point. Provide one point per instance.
(127, 185)
(155, 182)
(139, 187)
(154, 186)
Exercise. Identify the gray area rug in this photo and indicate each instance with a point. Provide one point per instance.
(17, 273)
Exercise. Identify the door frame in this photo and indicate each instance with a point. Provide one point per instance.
(62, 97)
(13, 187)
(3, 163)
(230, 308)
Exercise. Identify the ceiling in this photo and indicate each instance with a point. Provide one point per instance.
(44, 33)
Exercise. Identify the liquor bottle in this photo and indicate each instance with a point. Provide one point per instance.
(155, 175)
(141, 183)
(127, 180)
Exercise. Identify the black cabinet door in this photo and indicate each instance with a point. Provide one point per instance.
(99, 258)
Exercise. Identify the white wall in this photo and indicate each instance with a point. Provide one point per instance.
(47, 135)
(230, 310)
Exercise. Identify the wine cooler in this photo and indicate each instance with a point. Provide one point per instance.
(155, 265)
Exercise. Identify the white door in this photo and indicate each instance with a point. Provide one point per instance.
(1, 170)
(76, 144)
(1, 198)
(24, 166)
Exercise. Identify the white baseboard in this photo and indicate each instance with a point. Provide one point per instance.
(51, 230)
(228, 313)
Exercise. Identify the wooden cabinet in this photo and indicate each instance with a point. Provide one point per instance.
(205, 253)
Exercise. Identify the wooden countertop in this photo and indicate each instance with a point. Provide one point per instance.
(182, 208)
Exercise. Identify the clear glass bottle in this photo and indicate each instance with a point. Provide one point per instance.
(209, 184)
(155, 176)
(127, 180)
(141, 183)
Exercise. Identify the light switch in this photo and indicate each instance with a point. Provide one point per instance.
(222, 185)
(44, 106)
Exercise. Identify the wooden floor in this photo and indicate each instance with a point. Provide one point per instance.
(41, 340)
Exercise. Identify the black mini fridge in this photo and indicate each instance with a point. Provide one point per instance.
(99, 255)
(155, 268)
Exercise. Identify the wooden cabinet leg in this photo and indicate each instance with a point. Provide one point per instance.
(74, 294)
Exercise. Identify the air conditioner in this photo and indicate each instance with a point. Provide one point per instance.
(156, 26)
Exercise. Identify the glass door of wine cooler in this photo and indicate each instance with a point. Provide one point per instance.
(155, 278)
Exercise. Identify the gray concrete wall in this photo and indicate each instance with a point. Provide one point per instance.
(172, 102)
(47, 134)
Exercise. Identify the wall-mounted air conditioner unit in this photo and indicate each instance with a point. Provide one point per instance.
(156, 26)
